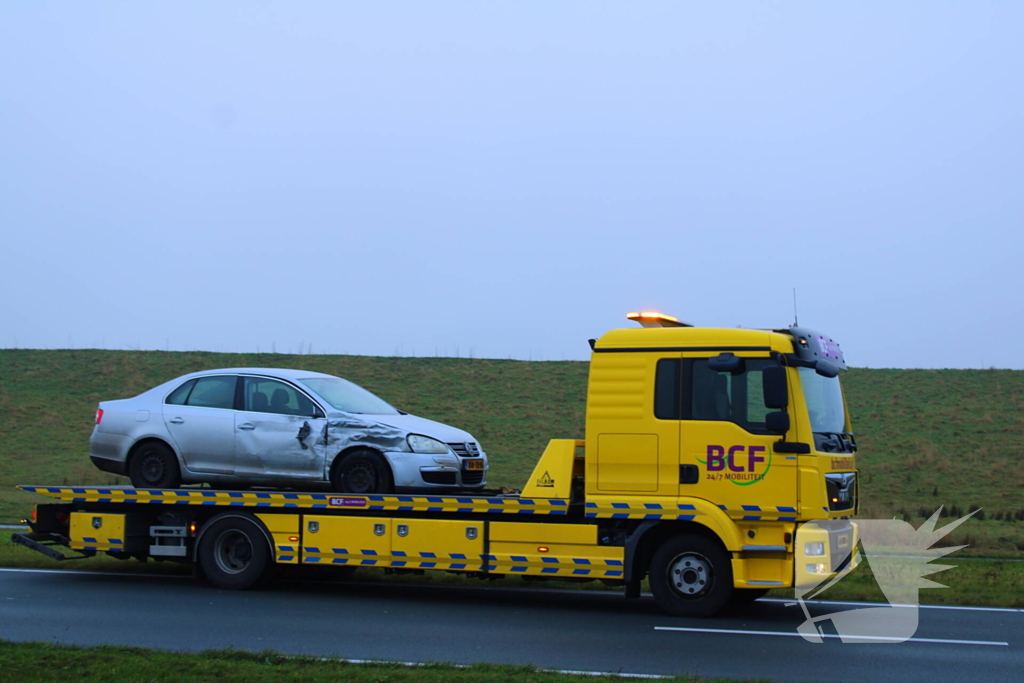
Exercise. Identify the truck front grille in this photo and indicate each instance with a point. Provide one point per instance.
(842, 490)
(469, 449)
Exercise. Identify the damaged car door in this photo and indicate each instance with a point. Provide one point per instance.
(279, 433)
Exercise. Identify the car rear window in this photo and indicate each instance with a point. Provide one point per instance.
(213, 392)
(180, 395)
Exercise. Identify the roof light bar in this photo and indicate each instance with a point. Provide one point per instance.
(656, 319)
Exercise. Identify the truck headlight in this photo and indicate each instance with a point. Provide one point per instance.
(424, 444)
(814, 549)
(820, 568)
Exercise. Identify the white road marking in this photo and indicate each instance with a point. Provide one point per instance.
(830, 635)
(886, 604)
(617, 674)
(93, 573)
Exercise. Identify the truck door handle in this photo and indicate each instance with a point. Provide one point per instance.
(176, 421)
(247, 425)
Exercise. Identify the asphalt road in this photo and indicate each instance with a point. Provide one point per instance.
(574, 630)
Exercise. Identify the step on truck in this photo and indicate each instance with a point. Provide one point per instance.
(706, 451)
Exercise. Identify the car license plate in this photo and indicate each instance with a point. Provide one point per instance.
(474, 464)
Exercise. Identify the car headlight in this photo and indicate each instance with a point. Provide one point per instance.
(424, 444)
(814, 549)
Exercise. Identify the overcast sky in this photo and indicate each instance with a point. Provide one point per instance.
(509, 179)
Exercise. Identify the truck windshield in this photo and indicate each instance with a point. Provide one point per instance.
(824, 402)
(349, 397)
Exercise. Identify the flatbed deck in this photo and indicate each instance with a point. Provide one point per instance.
(456, 504)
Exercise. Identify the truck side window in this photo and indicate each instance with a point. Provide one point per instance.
(667, 389)
(722, 396)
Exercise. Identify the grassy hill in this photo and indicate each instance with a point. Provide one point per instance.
(926, 437)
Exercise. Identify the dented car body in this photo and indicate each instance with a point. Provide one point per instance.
(279, 428)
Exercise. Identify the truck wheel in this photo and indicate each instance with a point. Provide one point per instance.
(154, 466)
(363, 471)
(691, 576)
(234, 554)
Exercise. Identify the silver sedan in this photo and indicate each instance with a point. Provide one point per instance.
(281, 428)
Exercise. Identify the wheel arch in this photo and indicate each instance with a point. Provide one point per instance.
(645, 540)
(137, 446)
(340, 455)
(248, 516)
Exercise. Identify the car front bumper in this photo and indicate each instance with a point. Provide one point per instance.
(424, 472)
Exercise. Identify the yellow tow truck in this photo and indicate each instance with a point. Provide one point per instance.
(706, 450)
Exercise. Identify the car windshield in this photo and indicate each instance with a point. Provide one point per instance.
(824, 402)
(348, 397)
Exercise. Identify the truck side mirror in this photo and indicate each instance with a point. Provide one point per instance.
(826, 368)
(776, 390)
(727, 362)
(777, 423)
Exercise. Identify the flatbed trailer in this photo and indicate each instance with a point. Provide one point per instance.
(706, 505)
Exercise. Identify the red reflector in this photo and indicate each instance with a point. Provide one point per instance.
(35, 514)
(99, 415)
(62, 517)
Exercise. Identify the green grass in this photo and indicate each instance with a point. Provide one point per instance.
(43, 662)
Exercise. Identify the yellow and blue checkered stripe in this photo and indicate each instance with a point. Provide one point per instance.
(755, 513)
(683, 511)
(92, 543)
(559, 566)
(307, 501)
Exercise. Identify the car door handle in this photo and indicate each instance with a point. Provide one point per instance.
(176, 421)
(247, 425)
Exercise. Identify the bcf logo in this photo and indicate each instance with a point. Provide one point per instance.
(736, 458)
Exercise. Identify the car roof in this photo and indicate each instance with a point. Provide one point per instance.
(282, 373)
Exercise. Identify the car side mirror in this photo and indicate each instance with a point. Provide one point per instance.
(775, 387)
(777, 423)
(727, 362)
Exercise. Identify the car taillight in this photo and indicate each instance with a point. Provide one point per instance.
(99, 415)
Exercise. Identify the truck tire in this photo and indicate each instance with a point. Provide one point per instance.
(363, 471)
(691, 576)
(234, 554)
(153, 465)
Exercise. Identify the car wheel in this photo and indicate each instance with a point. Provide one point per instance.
(234, 554)
(363, 471)
(691, 576)
(154, 466)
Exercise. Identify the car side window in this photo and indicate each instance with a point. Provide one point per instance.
(213, 392)
(271, 396)
(180, 395)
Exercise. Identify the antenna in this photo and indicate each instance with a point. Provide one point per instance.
(796, 322)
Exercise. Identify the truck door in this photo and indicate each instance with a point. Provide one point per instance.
(725, 442)
(278, 433)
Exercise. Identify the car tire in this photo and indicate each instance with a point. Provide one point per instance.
(153, 465)
(363, 471)
(234, 554)
(691, 576)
